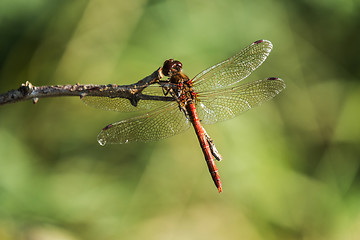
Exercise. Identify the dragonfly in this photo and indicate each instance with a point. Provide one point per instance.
(213, 95)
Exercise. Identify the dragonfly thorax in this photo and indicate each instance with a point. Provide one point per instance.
(182, 88)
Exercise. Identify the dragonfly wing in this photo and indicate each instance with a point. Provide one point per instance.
(233, 69)
(155, 125)
(123, 104)
(220, 105)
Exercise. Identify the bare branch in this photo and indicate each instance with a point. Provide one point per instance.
(132, 92)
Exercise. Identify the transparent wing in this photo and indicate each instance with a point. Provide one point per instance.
(233, 69)
(155, 125)
(124, 105)
(214, 106)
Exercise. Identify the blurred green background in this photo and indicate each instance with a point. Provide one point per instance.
(290, 168)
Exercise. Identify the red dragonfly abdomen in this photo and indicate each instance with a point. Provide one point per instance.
(204, 145)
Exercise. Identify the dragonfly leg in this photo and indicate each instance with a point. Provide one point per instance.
(165, 90)
(213, 149)
(166, 87)
(184, 111)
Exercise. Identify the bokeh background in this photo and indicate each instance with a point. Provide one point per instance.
(290, 168)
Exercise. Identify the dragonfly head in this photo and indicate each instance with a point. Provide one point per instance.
(170, 66)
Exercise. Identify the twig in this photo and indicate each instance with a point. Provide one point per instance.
(132, 92)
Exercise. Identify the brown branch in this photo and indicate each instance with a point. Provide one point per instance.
(132, 92)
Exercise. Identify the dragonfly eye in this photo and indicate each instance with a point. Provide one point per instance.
(171, 65)
(177, 66)
(167, 66)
